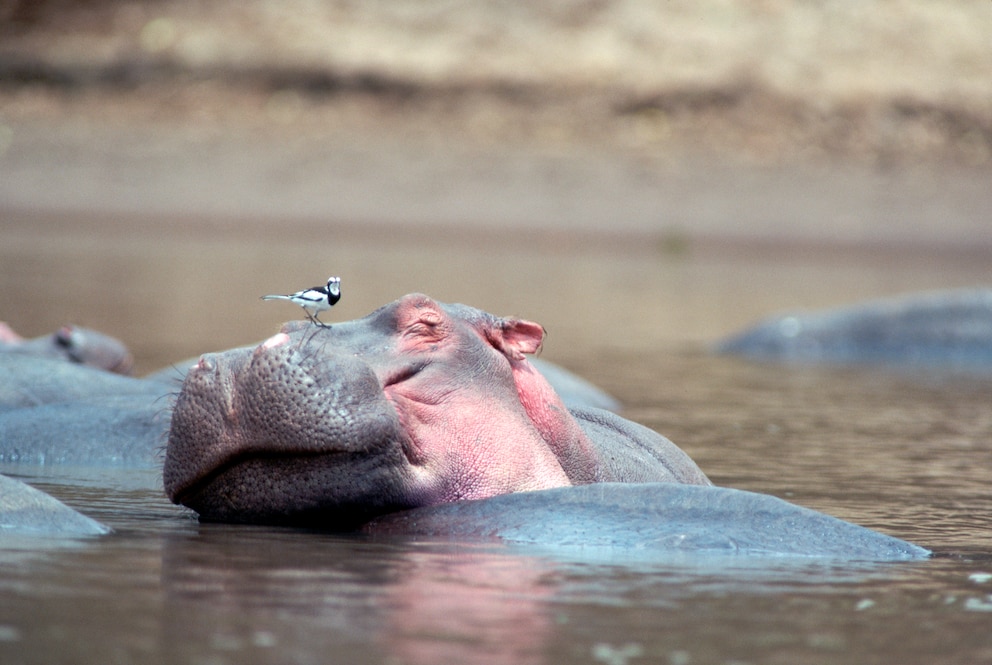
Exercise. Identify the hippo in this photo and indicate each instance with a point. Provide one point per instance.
(427, 419)
(422, 419)
(72, 343)
(950, 329)
(27, 511)
(58, 412)
(417, 404)
(64, 400)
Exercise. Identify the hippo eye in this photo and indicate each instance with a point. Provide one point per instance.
(430, 318)
(63, 337)
(419, 329)
(426, 325)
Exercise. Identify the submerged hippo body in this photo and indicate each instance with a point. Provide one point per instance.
(664, 519)
(25, 510)
(64, 400)
(950, 329)
(417, 404)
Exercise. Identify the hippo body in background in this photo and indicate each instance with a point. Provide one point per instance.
(418, 403)
(125, 431)
(65, 399)
(573, 390)
(951, 329)
(56, 412)
(28, 381)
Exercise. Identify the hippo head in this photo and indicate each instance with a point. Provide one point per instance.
(74, 344)
(418, 403)
(89, 347)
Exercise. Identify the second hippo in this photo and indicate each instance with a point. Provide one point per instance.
(937, 329)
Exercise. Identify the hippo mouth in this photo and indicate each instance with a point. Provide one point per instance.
(293, 489)
(209, 479)
(259, 435)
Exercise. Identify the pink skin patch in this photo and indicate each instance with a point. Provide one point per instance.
(276, 340)
(8, 336)
(466, 439)
(557, 426)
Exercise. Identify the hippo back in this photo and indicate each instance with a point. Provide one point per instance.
(632, 453)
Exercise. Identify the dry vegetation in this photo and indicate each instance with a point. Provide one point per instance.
(765, 79)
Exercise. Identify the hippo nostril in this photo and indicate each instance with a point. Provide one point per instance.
(206, 364)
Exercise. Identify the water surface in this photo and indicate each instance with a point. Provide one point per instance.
(907, 454)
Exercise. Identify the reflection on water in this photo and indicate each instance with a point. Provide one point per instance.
(906, 454)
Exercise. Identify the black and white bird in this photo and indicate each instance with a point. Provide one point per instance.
(314, 300)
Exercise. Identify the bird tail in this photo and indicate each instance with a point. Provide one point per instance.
(276, 298)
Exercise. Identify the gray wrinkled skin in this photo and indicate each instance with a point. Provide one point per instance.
(948, 329)
(287, 475)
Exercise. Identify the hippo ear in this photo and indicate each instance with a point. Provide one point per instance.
(515, 337)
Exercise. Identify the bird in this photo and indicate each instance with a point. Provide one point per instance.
(315, 299)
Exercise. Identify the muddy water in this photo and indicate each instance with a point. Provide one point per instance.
(906, 454)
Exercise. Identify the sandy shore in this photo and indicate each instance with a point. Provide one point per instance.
(857, 125)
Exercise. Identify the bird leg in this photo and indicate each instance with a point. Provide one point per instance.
(314, 320)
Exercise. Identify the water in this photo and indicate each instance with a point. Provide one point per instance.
(907, 454)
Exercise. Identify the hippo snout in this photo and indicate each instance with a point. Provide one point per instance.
(247, 420)
(205, 364)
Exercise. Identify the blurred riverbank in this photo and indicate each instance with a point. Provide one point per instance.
(678, 168)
